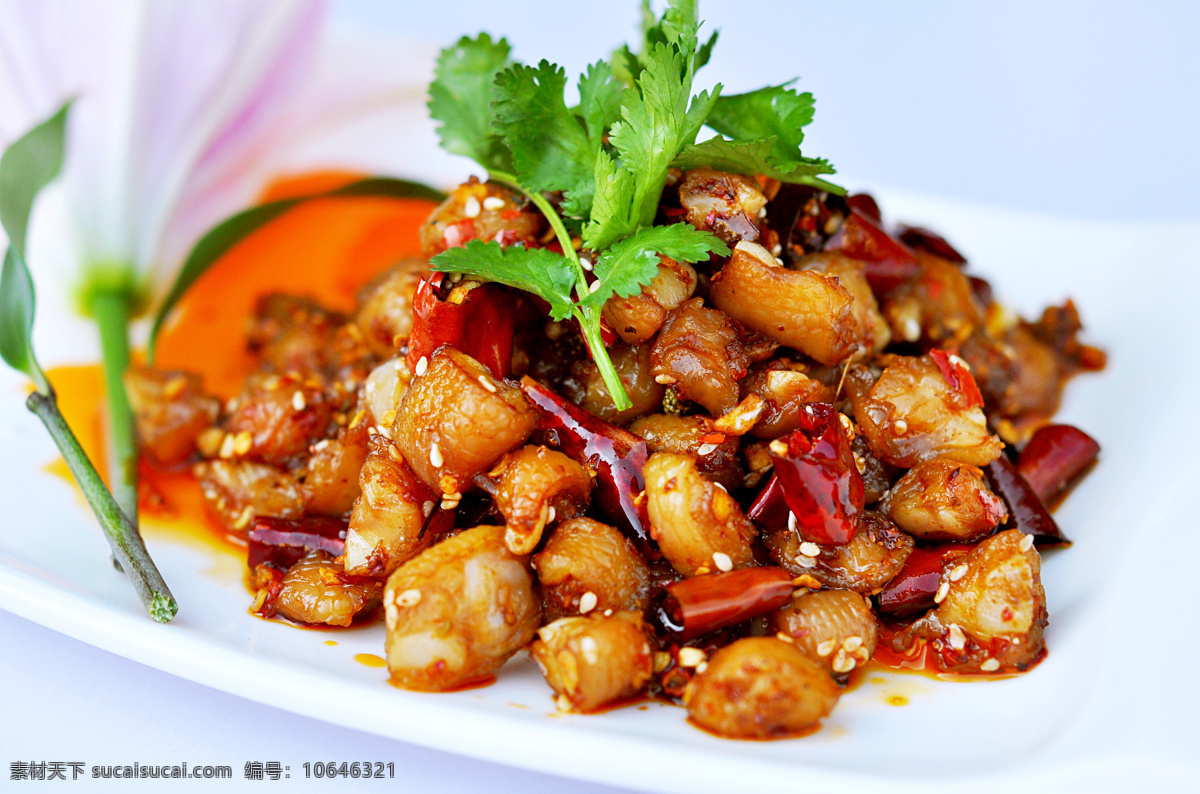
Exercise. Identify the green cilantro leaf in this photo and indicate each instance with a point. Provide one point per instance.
(755, 157)
(633, 262)
(773, 112)
(600, 96)
(614, 214)
(538, 270)
(550, 149)
(460, 97)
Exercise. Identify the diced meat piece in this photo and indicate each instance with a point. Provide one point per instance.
(784, 386)
(727, 205)
(385, 306)
(237, 491)
(315, 593)
(633, 366)
(382, 391)
(913, 413)
(637, 318)
(595, 661)
(873, 331)
(537, 487)
(170, 409)
(938, 306)
(481, 211)
(760, 688)
(700, 352)
(944, 500)
(331, 478)
(292, 335)
(458, 611)
(834, 627)
(590, 567)
(865, 564)
(456, 420)
(281, 417)
(802, 309)
(698, 525)
(389, 516)
(715, 453)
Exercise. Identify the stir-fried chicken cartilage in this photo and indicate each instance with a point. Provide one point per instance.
(835, 627)
(536, 487)
(458, 611)
(943, 500)
(316, 592)
(700, 353)
(588, 567)
(592, 662)
(389, 517)
(637, 318)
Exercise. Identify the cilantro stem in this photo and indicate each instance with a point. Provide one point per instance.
(589, 319)
(123, 538)
(111, 310)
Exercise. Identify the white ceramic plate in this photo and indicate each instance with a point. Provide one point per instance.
(1108, 708)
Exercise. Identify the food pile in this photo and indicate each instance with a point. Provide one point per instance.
(679, 418)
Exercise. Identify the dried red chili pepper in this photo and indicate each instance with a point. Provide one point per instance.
(700, 604)
(283, 541)
(955, 371)
(816, 473)
(480, 324)
(914, 587)
(925, 240)
(1054, 457)
(616, 455)
(887, 261)
(1026, 511)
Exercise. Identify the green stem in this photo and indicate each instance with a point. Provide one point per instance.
(123, 538)
(111, 309)
(589, 319)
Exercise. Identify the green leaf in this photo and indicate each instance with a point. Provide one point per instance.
(633, 263)
(28, 165)
(544, 273)
(600, 94)
(460, 97)
(613, 211)
(774, 112)
(217, 241)
(751, 158)
(550, 149)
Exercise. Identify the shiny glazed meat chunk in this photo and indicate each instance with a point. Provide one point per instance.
(760, 688)
(784, 387)
(388, 518)
(803, 309)
(313, 593)
(237, 491)
(480, 211)
(633, 367)
(714, 452)
(698, 350)
(912, 413)
(943, 500)
(873, 331)
(456, 420)
(835, 627)
(331, 478)
(594, 661)
(865, 564)
(385, 308)
(280, 417)
(637, 318)
(698, 525)
(727, 205)
(590, 567)
(537, 486)
(458, 611)
(170, 409)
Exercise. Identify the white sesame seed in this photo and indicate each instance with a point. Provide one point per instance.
(852, 643)
(493, 203)
(958, 572)
(662, 660)
(762, 213)
(805, 562)
(487, 384)
(594, 286)
(298, 401)
(591, 653)
(791, 521)
(900, 427)
(722, 561)
(435, 455)
(942, 592)
(810, 549)
(989, 665)
(585, 263)
(666, 380)
(778, 261)
(700, 668)
(409, 598)
(383, 431)
(394, 453)
(1026, 543)
(242, 443)
(706, 449)
(958, 640)
(843, 663)
(422, 366)
(912, 329)
(471, 207)
(778, 448)
(587, 602)
(783, 636)
(691, 657)
(563, 703)
(550, 514)
(320, 445)
(776, 249)
(608, 612)
(227, 446)
(960, 362)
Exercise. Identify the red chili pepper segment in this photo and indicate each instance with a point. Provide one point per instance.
(480, 326)
(283, 541)
(887, 261)
(1054, 457)
(955, 371)
(818, 478)
(1026, 511)
(616, 455)
(925, 240)
(702, 604)
(914, 588)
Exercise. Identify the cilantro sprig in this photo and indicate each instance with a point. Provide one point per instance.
(606, 159)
